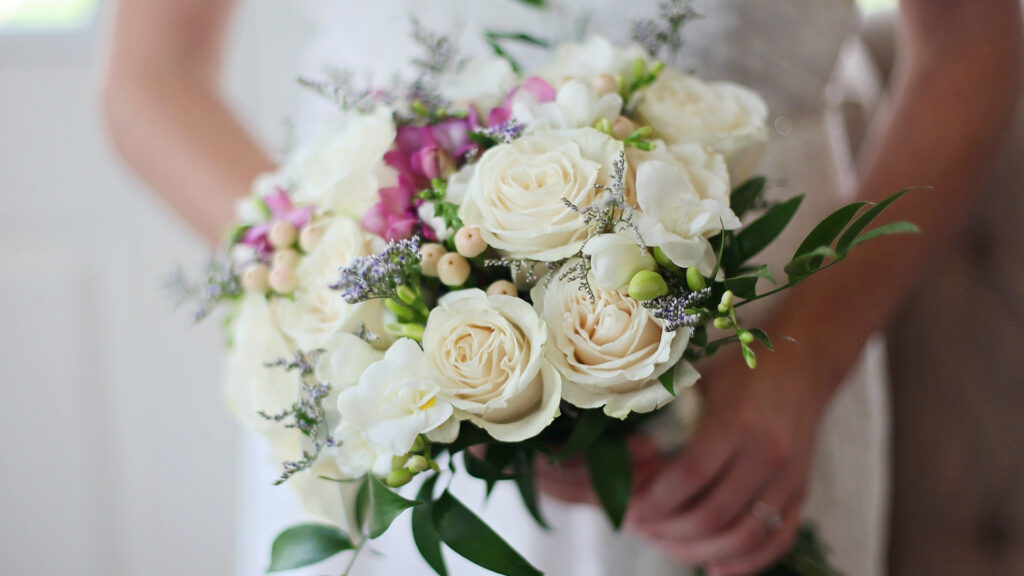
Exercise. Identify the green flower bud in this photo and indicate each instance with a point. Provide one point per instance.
(723, 323)
(417, 464)
(419, 108)
(647, 285)
(746, 337)
(407, 295)
(398, 462)
(414, 331)
(639, 69)
(418, 444)
(656, 68)
(726, 304)
(398, 478)
(664, 261)
(604, 125)
(694, 279)
(397, 309)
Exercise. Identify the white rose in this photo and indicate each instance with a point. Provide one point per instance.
(725, 117)
(487, 355)
(252, 386)
(484, 82)
(611, 350)
(516, 194)
(576, 105)
(683, 195)
(317, 313)
(616, 258)
(592, 58)
(343, 170)
(394, 402)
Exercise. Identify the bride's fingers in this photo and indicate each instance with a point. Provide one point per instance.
(701, 462)
(773, 547)
(720, 506)
(750, 531)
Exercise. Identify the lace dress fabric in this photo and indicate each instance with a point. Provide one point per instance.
(785, 49)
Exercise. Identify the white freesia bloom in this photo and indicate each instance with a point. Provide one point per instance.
(317, 314)
(576, 105)
(616, 258)
(592, 58)
(394, 402)
(252, 386)
(487, 355)
(683, 195)
(345, 358)
(611, 350)
(728, 118)
(342, 171)
(516, 194)
(485, 82)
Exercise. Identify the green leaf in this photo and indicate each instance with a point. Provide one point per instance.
(763, 338)
(611, 473)
(745, 285)
(760, 233)
(526, 481)
(901, 227)
(800, 267)
(385, 506)
(535, 3)
(428, 541)
(587, 428)
(668, 381)
(468, 535)
(501, 53)
(469, 435)
(307, 544)
(362, 504)
(519, 37)
(826, 232)
(746, 195)
(862, 222)
(483, 470)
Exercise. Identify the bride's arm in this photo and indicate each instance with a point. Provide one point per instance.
(165, 113)
(959, 79)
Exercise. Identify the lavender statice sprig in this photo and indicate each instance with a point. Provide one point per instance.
(219, 283)
(308, 415)
(503, 133)
(340, 86)
(680, 310)
(664, 32)
(380, 275)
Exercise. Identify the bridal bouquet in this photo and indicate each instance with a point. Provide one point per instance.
(524, 263)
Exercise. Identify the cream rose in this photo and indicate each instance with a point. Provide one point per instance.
(610, 350)
(584, 61)
(317, 313)
(727, 118)
(515, 196)
(487, 355)
(342, 171)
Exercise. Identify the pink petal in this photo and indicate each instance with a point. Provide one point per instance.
(376, 220)
(301, 216)
(399, 227)
(539, 89)
(279, 203)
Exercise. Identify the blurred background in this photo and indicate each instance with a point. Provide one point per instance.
(117, 454)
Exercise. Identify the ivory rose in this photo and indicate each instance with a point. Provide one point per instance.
(487, 355)
(515, 196)
(595, 56)
(317, 313)
(610, 350)
(728, 118)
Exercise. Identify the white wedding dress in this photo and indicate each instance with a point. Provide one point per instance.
(784, 49)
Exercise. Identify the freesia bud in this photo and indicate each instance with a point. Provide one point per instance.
(417, 464)
(407, 295)
(656, 68)
(413, 331)
(430, 255)
(639, 69)
(282, 234)
(647, 285)
(746, 337)
(664, 261)
(255, 279)
(469, 242)
(694, 279)
(726, 302)
(604, 125)
(453, 269)
(723, 323)
(419, 444)
(399, 478)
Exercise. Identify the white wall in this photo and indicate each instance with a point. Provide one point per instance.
(116, 454)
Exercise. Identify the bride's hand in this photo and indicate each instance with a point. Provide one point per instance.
(731, 499)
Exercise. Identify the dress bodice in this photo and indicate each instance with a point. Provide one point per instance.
(784, 49)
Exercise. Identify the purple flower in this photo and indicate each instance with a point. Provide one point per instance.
(281, 209)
